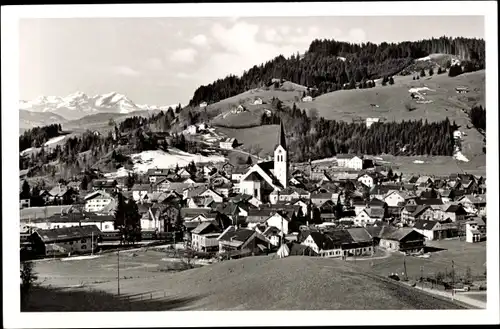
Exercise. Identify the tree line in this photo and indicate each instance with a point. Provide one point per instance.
(330, 65)
(38, 136)
(315, 138)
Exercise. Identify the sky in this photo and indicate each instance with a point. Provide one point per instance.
(161, 61)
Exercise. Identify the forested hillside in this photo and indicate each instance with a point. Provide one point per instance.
(329, 64)
(315, 138)
(37, 136)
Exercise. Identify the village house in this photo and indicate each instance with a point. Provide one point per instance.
(280, 220)
(257, 101)
(403, 239)
(370, 121)
(238, 172)
(369, 216)
(192, 130)
(318, 199)
(228, 143)
(289, 194)
(156, 174)
(204, 237)
(473, 204)
(105, 185)
(62, 195)
(434, 230)
(24, 203)
(96, 201)
(64, 241)
(475, 231)
(239, 242)
(307, 99)
(350, 161)
(273, 234)
(139, 191)
(323, 245)
(150, 220)
(258, 217)
(369, 180)
(203, 104)
(454, 212)
(212, 194)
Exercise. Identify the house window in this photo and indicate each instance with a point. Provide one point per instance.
(84, 247)
(84, 240)
(70, 243)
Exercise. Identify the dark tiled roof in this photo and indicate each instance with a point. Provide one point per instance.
(429, 202)
(241, 234)
(68, 233)
(425, 224)
(193, 212)
(206, 227)
(254, 177)
(359, 234)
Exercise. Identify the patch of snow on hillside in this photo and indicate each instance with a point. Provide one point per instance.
(341, 58)
(419, 89)
(161, 159)
(426, 58)
(459, 156)
(23, 152)
(122, 172)
(55, 140)
(418, 161)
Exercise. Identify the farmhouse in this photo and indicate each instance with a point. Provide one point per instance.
(369, 180)
(203, 104)
(461, 90)
(228, 143)
(155, 175)
(204, 237)
(258, 101)
(239, 242)
(403, 239)
(323, 245)
(350, 161)
(64, 241)
(307, 99)
(192, 129)
(370, 121)
(434, 230)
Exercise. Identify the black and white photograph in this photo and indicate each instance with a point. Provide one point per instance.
(266, 157)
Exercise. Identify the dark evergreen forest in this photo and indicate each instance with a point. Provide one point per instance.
(322, 68)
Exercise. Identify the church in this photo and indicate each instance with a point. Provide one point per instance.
(263, 178)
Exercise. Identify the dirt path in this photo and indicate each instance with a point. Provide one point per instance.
(458, 296)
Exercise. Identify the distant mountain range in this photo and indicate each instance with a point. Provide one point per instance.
(54, 109)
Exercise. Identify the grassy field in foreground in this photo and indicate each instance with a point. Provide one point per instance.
(464, 255)
(267, 283)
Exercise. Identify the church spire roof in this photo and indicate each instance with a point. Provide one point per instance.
(281, 137)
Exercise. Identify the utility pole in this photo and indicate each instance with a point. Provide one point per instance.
(452, 277)
(422, 276)
(118, 268)
(404, 264)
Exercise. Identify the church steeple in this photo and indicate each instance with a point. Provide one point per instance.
(281, 158)
(281, 136)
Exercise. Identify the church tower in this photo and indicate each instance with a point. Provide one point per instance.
(281, 159)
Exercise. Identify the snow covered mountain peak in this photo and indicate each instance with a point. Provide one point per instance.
(79, 104)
